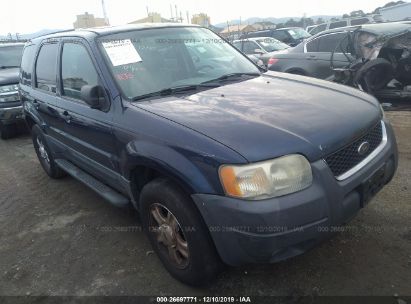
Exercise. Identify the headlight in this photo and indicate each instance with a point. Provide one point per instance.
(280, 176)
(9, 93)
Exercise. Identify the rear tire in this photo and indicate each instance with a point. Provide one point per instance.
(44, 154)
(374, 75)
(178, 234)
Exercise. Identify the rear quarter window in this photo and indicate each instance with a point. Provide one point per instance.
(26, 67)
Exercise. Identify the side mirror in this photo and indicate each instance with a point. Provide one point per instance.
(94, 96)
(259, 51)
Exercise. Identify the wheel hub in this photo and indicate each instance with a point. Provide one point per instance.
(42, 150)
(169, 235)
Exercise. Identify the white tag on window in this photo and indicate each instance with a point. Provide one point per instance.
(121, 52)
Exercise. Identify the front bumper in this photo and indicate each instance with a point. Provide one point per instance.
(279, 228)
(11, 114)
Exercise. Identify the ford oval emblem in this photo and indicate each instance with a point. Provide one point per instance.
(363, 148)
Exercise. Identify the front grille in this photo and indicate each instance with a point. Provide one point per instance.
(348, 157)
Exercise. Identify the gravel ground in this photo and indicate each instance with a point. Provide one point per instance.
(60, 238)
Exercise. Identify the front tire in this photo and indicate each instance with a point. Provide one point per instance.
(178, 234)
(44, 154)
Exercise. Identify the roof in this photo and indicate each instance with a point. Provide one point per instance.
(388, 28)
(276, 30)
(288, 28)
(107, 30)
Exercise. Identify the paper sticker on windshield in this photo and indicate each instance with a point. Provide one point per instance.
(121, 52)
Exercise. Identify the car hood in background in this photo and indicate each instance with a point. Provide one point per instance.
(9, 76)
(274, 115)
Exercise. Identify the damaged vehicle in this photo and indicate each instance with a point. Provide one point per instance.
(379, 58)
(225, 163)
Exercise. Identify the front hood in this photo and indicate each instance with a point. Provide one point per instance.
(9, 76)
(274, 115)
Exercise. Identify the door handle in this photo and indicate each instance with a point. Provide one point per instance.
(67, 117)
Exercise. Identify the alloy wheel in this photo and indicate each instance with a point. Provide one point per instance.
(169, 235)
(42, 150)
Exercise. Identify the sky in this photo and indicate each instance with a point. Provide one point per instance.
(28, 16)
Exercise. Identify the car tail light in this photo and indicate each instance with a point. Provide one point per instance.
(272, 61)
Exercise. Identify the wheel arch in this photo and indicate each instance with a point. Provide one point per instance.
(147, 161)
(297, 71)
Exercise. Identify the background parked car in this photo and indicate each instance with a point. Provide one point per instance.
(315, 29)
(10, 105)
(291, 35)
(261, 47)
(313, 56)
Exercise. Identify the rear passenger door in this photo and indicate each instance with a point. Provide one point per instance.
(88, 133)
(318, 53)
(43, 95)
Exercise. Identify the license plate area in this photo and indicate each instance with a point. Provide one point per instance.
(372, 186)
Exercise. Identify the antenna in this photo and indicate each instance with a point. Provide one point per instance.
(176, 13)
(105, 13)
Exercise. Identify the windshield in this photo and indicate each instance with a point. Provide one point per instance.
(10, 56)
(147, 61)
(272, 45)
(298, 33)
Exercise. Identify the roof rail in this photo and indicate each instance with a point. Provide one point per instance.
(12, 40)
(52, 33)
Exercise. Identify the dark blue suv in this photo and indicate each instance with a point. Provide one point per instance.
(226, 164)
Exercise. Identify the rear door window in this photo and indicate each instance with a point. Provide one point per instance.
(329, 43)
(312, 46)
(77, 70)
(46, 65)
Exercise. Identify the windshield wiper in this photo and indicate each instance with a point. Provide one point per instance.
(174, 90)
(230, 77)
(8, 66)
